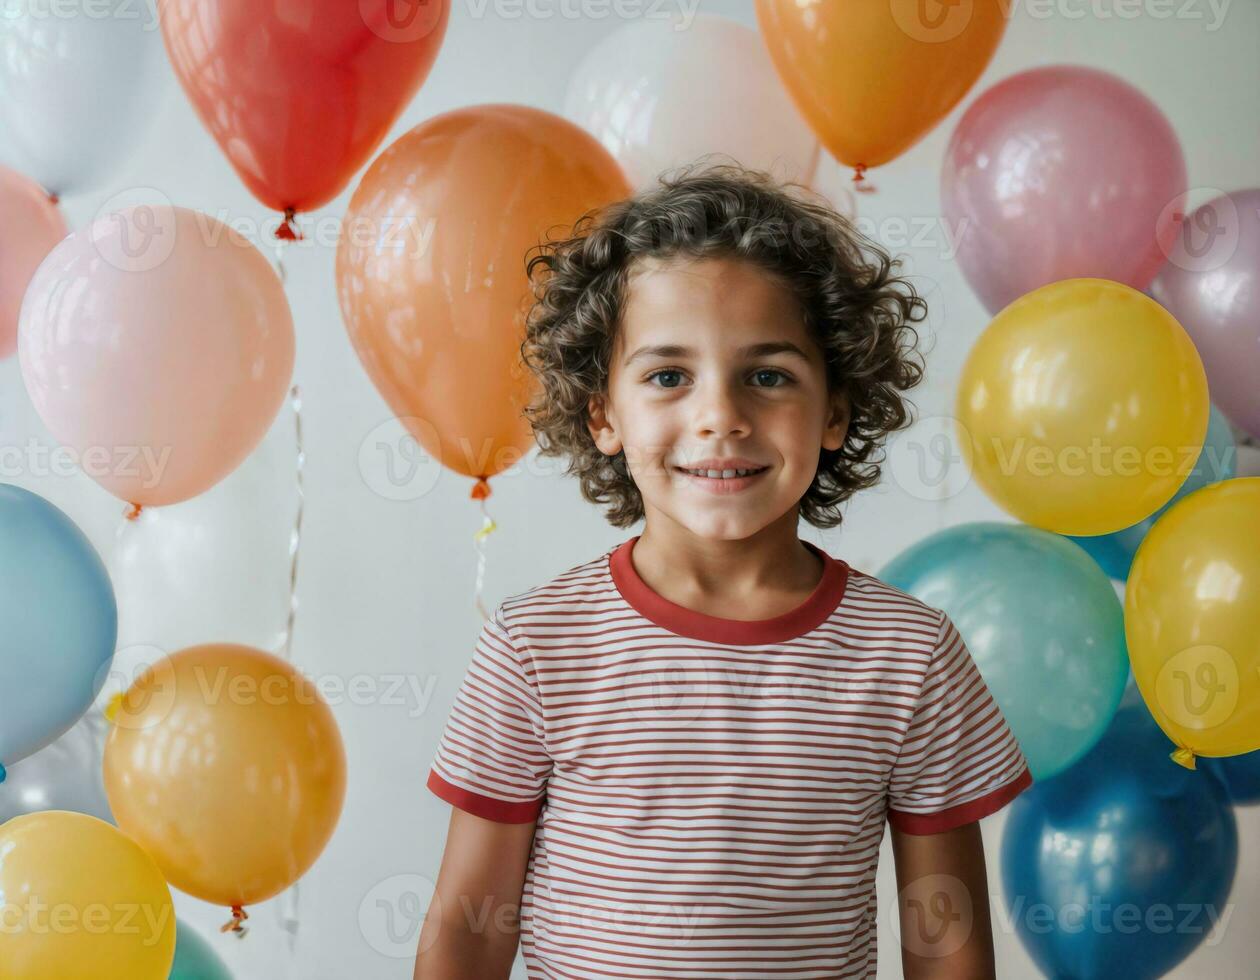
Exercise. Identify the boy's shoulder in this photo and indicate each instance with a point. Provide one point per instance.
(585, 583)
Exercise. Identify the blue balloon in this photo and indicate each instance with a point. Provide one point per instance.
(59, 622)
(194, 957)
(1120, 866)
(1042, 622)
(1239, 774)
(1218, 460)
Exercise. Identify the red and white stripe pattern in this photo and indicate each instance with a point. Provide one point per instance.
(710, 794)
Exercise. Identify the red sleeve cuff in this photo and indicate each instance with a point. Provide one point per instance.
(489, 807)
(963, 813)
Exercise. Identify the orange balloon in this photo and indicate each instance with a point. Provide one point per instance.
(431, 269)
(226, 765)
(873, 78)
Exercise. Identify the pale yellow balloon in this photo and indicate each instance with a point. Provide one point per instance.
(226, 763)
(1192, 621)
(80, 900)
(1084, 406)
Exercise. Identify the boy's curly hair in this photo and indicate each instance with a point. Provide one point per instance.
(857, 308)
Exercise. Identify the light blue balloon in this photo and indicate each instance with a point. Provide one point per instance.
(194, 957)
(1218, 460)
(58, 620)
(78, 90)
(1042, 622)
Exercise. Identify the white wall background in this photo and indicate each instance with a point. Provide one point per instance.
(386, 585)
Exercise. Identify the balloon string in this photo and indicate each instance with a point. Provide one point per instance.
(480, 491)
(289, 909)
(239, 915)
(295, 537)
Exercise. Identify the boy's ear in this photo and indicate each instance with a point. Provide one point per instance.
(837, 422)
(601, 429)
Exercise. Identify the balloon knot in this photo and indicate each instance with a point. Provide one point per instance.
(239, 915)
(133, 511)
(113, 707)
(481, 489)
(53, 198)
(859, 180)
(288, 229)
(1183, 757)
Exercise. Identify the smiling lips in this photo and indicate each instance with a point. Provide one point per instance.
(723, 476)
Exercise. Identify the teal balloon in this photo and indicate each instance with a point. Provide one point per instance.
(1042, 622)
(59, 623)
(194, 957)
(1218, 460)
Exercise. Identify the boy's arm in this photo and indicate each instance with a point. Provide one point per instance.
(472, 927)
(943, 904)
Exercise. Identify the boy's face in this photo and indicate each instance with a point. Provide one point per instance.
(712, 398)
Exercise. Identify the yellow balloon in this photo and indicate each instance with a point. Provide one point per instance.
(1192, 621)
(1083, 407)
(227, 765)
(79, 900)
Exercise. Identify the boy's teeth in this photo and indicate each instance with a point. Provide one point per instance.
(722, 474)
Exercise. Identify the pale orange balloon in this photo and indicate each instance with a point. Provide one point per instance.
(431, 269)
(225, 763)
(873, 77)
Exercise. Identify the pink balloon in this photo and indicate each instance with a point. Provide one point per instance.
(1058, 173)
(32, 225)
(158, 346)
(1211, 284)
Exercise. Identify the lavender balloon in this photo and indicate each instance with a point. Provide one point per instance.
(1211, 284)
(1057, 173)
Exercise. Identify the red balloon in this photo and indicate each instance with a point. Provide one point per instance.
(299, 95)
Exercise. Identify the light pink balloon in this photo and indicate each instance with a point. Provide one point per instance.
(30, 225)
(158, 346)
(1211, 284)
(1057, 173)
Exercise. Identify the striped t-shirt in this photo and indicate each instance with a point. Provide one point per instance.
(710, 793)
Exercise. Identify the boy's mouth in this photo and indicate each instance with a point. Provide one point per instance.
(722, 481)
(726, 474)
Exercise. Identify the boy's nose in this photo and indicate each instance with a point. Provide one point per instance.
(721, 412)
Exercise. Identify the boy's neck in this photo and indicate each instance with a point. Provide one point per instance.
(751, 578)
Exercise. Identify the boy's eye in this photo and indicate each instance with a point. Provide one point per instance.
(772, 373)
(761, 374)
(665, 372)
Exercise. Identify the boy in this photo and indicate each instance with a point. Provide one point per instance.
(677, 758)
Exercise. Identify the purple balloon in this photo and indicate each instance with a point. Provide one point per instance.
(1058, 173)
(1211, 284)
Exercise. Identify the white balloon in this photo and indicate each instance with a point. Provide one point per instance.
(658, 97)
(214, 568)
(65, 775)
(80, 80)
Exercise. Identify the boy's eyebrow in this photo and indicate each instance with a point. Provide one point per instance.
(752, 350)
